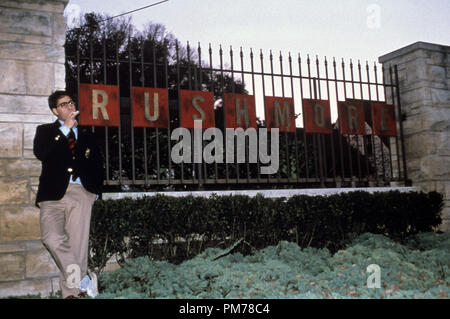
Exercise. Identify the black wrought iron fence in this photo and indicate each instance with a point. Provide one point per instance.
(140, 158)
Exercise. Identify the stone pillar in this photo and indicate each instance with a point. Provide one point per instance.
(32, 35)
(424, 83)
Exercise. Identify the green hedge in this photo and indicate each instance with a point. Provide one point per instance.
(132, 227)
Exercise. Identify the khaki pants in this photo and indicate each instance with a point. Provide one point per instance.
(65, 233)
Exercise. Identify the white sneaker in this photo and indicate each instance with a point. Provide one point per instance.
(89, 284)
(84, 283)
(92, 288)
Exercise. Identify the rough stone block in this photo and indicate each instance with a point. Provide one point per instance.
(12, 77)
(31, 52)
(13, 190)
(420, 144)
(437, 75)
(28, 154)
(416, 97)
(59, 29)
(430, 118)
(29, 131)
(443, 143)
(12, 267)
(33, 193)
(22, 104)
(26, 118)
(412, 125)
(19, 223)
(440, 96)
(40, 264)
(48, 6)
(44, 287)
(39, 78)
(415, 72)
(34, 181)
(25, 22)
(435, 118)
(34, 245)
(60, 76)
(25, 38)
(435, 167)
(443, 187)
(413, 175)
(12, 247)
(26, 77)
(19, 167)
(11, 140)
(436, 58)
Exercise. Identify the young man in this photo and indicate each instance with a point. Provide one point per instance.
(71, 179)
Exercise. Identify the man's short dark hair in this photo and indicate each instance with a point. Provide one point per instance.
(55, 96)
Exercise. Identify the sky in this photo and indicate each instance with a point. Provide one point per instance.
(358, 29)
(345, 29)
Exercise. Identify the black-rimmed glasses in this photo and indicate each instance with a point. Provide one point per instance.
(66, 104)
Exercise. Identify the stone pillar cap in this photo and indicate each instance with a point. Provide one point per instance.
(413, 47)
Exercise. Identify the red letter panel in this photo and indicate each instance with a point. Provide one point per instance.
(150, 107)
(240, 111)
(99, 105)
(317, 116)
(279, 113)
(196, 105)
(351, 117)
(383, 117)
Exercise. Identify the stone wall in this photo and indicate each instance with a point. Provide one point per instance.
(32, 35)
(424, 83)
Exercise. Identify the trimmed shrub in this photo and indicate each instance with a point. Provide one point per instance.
(179, 228)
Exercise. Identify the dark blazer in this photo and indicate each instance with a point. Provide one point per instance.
(50, 146)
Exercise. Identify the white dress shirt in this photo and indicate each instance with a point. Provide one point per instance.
(65, 130)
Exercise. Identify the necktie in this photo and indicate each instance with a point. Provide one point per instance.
(72, 142)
